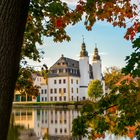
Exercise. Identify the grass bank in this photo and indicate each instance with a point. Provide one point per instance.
(48, 104)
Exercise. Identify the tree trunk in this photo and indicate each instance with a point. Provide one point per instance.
(13, 15)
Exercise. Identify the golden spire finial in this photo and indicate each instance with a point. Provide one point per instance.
(83, 38)
(96, 55)
(95, 45)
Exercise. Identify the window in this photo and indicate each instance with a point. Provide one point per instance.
(55, 90)
(77, 90)
(84, 98)
(55, 121)
(64, 98)
(72, 71)
(64, 90)
(59, 81)
(71, 81)
(60, 112)
(60, 98)
(45, 91)
(51, 121)
(77, 98)
(59, 90)
(51, 98)
(65, 130)
(60, 130)
(51, 90)
(71, 90)
(55, 130)
(41, 91)
(55, 81)
(72, 98)
(64, 81)
(45, 98)
(60, 70)
(76, 81)
(42, 99)
(51, 112)
(53, 71)
(55, 98)
(65, 121)
(55, 112)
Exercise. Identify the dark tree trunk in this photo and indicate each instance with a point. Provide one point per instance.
(13, 15)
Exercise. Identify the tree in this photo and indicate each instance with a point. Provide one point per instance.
(117, 112)
(25, 82)
(12, 25)
(112, 75)
(95, 90)
(79, 127)
(133, 61)
(45, 17)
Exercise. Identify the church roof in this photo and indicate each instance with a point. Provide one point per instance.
(64, 67)
(96, 55)
(83, 52)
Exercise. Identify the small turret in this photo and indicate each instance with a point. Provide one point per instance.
(96, 56)
(96, 65)
(84, 70)
(83, 52)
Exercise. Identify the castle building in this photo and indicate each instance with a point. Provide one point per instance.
(68, 79)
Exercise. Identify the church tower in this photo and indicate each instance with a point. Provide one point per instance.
(84, 70)
(96, 65)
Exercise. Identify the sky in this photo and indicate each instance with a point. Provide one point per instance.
(112, 46)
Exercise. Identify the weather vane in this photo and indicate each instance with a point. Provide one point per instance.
(95, 45)
(83, 37)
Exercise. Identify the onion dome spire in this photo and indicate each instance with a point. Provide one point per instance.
(96, 55)
(83, 52)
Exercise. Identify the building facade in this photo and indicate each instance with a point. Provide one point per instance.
(68, 79)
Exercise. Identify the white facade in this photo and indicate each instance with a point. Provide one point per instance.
(63, 88)
(84, 76)
(96, 66)
(68, 79)
(41, 82)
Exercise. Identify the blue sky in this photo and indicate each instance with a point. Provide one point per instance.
(110, 41)
(112, 46)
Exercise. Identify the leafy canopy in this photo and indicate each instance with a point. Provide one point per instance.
(95, 89)
(116, 112)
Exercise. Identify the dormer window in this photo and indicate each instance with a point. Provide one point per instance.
(60, 70)
(66, 70)
(53, 71)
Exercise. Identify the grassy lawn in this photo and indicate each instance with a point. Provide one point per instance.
(46, 103)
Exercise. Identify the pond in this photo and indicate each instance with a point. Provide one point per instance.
(52, 124)
(44, 124)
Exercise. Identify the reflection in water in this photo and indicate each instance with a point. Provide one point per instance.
(52, 124)
(45, 124)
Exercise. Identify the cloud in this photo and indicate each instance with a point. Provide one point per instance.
(103, 53)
